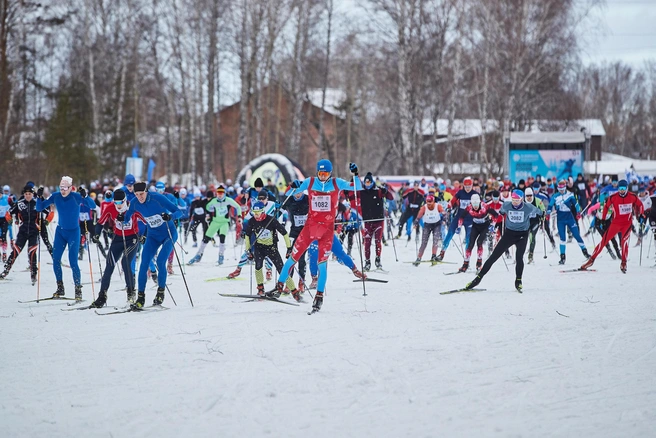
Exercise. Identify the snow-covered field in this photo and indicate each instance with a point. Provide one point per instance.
(573, 356)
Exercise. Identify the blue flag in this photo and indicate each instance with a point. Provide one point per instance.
(135, 151)
(151, 168)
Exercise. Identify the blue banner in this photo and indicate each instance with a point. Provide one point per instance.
(546, 163)
(135, 151)
(151, 169)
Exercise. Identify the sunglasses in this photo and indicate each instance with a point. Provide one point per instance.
(64, 188)
(323, 174)
(119, 202)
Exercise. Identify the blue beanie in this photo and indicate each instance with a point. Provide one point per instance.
(129, 179)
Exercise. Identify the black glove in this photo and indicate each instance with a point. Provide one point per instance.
(295, 184)
(120, 217)
(82, 192)
(95, 239)
(249, 255)
(176, 194)
(242, 234)
(39, 192)
(289, 252)
(142, 239)
(353, 168)
(166, 217)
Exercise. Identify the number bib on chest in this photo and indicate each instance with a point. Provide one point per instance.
(154, 221)
(84, 217)
(516, 217)
(464, 203)
(431, 216)
(221, 210)
(265, 235)
(625, 208)
(124, 225)
(198, 211)
(299, 220)
(320, 203)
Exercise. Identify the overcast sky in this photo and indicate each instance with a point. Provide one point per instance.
(627, 32)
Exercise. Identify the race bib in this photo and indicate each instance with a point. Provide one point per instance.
(84, 217)
(480, 220)
(321, 203)
(154, 221)
(581, 186)
(414, 205)
(299, 220)
(626, 208)
(4, 209)
(562, 206)
(221, 210)
(264, 235)
(199, 211)
(464, 203)
(124, 225)
(516, 217)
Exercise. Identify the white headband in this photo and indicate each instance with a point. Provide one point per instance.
(67, 179)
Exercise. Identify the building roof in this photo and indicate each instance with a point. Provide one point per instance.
(334, 99)
(546, 137)
(466, 128)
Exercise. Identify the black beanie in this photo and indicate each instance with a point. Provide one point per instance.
(139, 187)
(119, 195)
(258, 183)
(369, 177)
(209, 194)
(28, 188)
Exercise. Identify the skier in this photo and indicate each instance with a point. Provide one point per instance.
(533, 200)
(298, 211)
(323, 192)
(624, 205)
(158, 213)
(265, 230)
(218, 209)
(432, 214)
(351, 222)
(480, 215)
(372, 202)
(68, 204)
(198, 215)
(568, 213)
(413, 199)
(518, 216)
(24, 210)
(459, 203)
(124, 244)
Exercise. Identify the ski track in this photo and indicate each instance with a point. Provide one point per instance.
(402, 361)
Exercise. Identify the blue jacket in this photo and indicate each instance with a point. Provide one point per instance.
(565, 204)
(68, 208)
(152, 210)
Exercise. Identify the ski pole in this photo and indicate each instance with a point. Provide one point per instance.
(544, 240)
(364, 288)
(38, 268)
(649, 250)
(392, 239)
(640, 231)
(86, 236)
(184, 278)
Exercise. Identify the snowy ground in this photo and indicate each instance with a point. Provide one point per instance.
(573, 356)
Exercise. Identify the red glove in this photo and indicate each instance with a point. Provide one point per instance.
(578, 217)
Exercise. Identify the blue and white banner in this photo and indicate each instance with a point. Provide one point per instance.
(561, 163)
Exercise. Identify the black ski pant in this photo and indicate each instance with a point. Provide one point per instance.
(193, 225)
(509, 238)
(24, 236)
(477, 237)
(407, 214)
(127, 248)
(602, 227)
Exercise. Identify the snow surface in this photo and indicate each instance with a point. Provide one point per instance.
(573, 356)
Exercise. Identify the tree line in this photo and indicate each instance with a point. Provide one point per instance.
(84, 81)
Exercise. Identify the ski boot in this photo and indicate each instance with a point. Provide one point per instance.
(4, 274)
(269, 275)
(235, 273)
(78, 292)
(260, 290)
(518, 285)
(379, 265)
(195, 245)
(33, 278)
(153, 276)
(417, 262)
(318, 301)
(479, 265)
(131, 295)
(587, 264)
(586, 254)
(301, 285)
(159, 297)
(472, 284)
(530, 258)
(80, 254)
(275, 293)
(169, 269)
(507, 253)
(296, 295)
(60, 290)
(221, 259)
(195, 259)
(358, 274)
(367, 265)
(141, 301)
(440, 257)
(623, 267)
(100, 301)
(562, 259)
(464, 267)
(409, 237)
(315, 280)
(433, 260)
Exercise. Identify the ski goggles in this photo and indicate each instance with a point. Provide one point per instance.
(622, 189)
(529, 196)
(64, 188)
(119, 202)
(322, 174)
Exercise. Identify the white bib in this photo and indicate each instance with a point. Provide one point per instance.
(414, 205)
(516, 217)
(154, 221)
(625, 209)
(199, 211)
(221, 209)
(84, 217)
(464, 203)
(264, 235)
(432, 216)
(299, 220)
(124, 225)
(321, 203)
